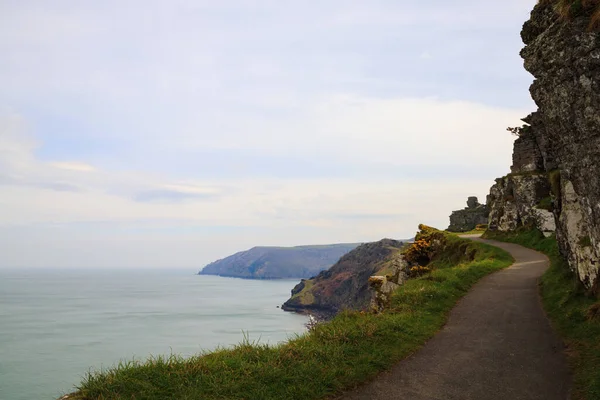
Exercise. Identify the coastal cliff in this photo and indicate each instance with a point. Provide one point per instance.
(554, 183)
(278, 262)
(346, 284)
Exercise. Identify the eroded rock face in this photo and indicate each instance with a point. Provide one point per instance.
(518, 199)
(467, 219)
(382, 287)
(578, 234)
(564, 58)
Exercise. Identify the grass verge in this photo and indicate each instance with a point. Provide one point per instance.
(351, 349)
(574, 315)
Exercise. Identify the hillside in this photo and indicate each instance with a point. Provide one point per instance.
(345, 284)
(279, 262)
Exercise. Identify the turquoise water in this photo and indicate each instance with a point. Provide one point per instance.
(57, 325)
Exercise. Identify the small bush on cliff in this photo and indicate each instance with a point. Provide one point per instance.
(585, 242)
(418, 271)
(555, 182)
(545, 204)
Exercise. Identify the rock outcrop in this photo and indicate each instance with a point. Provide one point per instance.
(467, 219)
(346, 284)
(558, 152)
(278, 262)
(522, 198)
(382, 286)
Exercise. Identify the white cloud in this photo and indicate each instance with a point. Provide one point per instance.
(119, 111)
(72, 166)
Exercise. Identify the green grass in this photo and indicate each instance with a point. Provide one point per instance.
(353, 348)
(545, 204)
(473, 232)
(585, 241)
(305, 294)
(573, 313)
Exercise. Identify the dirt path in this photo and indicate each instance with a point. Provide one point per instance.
(497, 345)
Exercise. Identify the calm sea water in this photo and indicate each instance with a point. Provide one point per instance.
(57, 325)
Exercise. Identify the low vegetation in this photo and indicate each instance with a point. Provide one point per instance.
(545, 204)
(479, 229)
(575, 8)
(574, 314)
(332, 357)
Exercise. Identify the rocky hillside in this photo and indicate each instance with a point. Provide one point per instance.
(366, 277)
(278, 262)
(555, 181)
(345, 284)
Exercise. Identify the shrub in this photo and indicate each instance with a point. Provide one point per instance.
(545, 204)
(417, 271)
(554, 179)
(585, 241)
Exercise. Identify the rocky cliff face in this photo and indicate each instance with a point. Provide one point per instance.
(522, 198)
(559, 151)
(467, 219)
(346, 284)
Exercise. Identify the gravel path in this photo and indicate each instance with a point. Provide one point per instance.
(497, 345)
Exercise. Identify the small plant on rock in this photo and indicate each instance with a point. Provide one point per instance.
(418, 271)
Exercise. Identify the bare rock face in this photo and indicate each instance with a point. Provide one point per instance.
(467, 219)
(564, 58)
(382, 287)
(521, 199)
(561, 144)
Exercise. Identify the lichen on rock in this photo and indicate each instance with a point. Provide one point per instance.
(555, 179)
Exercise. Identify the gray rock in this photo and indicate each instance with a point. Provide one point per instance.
(515, 201)
(467, 219)
(560, 147)
(564, 58)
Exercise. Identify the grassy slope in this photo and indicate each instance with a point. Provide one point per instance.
(349, 350)
(570, 311)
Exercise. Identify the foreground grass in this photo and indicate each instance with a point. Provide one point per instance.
(575, 315)
(333, 357)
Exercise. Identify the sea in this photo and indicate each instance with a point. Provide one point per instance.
(57, 325)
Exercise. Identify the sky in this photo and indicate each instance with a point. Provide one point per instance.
(169, 134)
